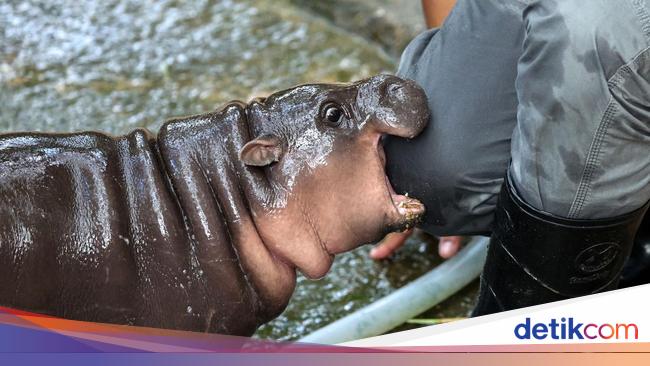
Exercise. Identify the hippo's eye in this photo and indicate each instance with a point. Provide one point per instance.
(333, 114)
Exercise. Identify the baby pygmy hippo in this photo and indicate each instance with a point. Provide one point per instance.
(203, 226)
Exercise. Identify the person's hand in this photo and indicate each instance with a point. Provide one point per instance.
(448, 246)
(389, 244)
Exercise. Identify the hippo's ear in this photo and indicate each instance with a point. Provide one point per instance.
(261, 151)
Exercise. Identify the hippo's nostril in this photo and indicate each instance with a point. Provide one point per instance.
(394, 88)
(396, 92)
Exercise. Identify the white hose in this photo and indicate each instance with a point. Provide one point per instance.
(408, 301)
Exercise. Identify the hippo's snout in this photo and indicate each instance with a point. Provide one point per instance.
(398, 106)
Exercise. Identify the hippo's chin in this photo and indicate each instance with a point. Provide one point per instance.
(318, 271)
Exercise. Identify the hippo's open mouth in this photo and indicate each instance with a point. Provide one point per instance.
(409, 209)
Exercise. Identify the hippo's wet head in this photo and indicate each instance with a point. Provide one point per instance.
(320, 148)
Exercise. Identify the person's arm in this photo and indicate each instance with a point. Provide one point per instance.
(435, 11)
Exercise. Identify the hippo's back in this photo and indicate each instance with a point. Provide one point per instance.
(91, 228)
(79, 216)
(57, 195)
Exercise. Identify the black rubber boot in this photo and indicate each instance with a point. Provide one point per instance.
(535, 258)
(637, 269)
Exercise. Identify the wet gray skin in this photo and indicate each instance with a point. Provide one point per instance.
(117, 65)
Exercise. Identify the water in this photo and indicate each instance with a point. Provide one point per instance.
(116, 65)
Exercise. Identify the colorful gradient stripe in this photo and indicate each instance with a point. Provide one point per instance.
(64, 336)
(40, 339)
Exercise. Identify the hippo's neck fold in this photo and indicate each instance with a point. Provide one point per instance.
(216, 194)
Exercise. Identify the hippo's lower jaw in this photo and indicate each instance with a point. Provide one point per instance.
(383, 210)
(408, 210)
